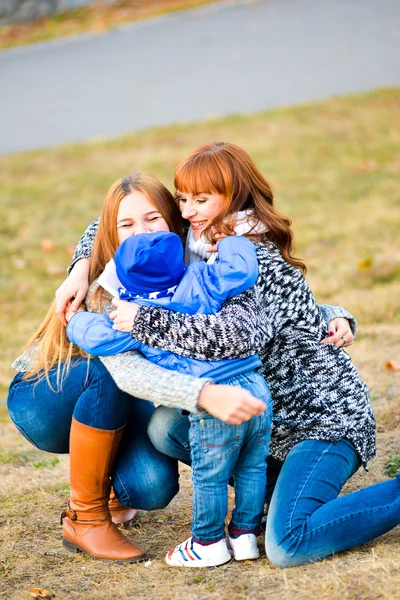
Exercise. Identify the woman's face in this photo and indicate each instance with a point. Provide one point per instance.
(136, 214)
(200, 210)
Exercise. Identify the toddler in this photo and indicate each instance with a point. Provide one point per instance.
(150, 270)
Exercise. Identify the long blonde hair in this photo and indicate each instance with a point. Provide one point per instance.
(227, 169)
(52, 346)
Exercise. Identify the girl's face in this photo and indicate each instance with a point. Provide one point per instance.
(200, 210)
(136, 214)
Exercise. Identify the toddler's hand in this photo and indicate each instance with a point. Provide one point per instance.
(123, 315)
(217, 237)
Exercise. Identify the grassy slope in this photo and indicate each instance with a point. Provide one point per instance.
(97, 17)
(334, 168)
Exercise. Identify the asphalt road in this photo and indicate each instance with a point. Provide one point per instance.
(228, 58)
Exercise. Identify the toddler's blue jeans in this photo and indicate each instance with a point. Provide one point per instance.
(220, 451)
(307, 521)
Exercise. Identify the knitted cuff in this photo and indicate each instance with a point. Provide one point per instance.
(334, 312)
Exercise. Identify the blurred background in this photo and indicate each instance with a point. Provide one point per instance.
(91, 92)
(114, 67)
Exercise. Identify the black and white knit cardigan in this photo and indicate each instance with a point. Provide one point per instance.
(316, 389)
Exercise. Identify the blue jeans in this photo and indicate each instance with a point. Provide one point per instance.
(306, 519)
(218, 452)
(143, 477)
(169, 432)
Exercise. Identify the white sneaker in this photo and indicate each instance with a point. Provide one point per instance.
(244, 547)
(192, 554)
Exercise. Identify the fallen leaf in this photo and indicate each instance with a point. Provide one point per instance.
(324, 149)
(47, 245)
(41, 594)
(365, 264)
(391, 365)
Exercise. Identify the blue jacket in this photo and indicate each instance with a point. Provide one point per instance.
(203, 288)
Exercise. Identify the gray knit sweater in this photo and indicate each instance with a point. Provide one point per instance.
(316, 389)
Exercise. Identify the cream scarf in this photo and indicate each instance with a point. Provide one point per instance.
(197, 249)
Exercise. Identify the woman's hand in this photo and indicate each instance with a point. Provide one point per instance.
(73, 290)
(230, 404)
(123, 315)
(340, 333)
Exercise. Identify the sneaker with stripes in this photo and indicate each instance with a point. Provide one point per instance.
(244, 546)
(192, 554)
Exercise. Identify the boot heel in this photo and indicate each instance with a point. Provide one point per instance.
(70, 546)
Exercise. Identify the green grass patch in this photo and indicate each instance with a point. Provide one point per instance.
(62, 490)
(97, 17)
(393, 466)
(49, 462)
(17, 459)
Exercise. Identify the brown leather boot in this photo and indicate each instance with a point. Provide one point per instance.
(87, 525)
(122, 516)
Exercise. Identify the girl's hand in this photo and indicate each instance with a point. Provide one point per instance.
(73, 290)
(230, 404)
(123, 315)
(70, 313)
(340, 333)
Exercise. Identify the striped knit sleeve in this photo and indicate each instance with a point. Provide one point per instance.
(233, 332)
(85, 244)
(240, 329)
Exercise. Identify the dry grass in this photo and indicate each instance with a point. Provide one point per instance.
(334, 167)
(31, 555)
(97, 17)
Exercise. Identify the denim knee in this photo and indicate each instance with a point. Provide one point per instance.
(158, 429)
(162, 485)
(154, 492)
(280, 556)
(168, 431)
(163, 494)
(44, 424)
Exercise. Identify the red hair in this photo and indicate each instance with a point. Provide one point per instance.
(227, 169)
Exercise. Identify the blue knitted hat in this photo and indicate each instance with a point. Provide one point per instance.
(149, 262)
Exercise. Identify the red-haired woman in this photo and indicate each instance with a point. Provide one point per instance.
(323, 426)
